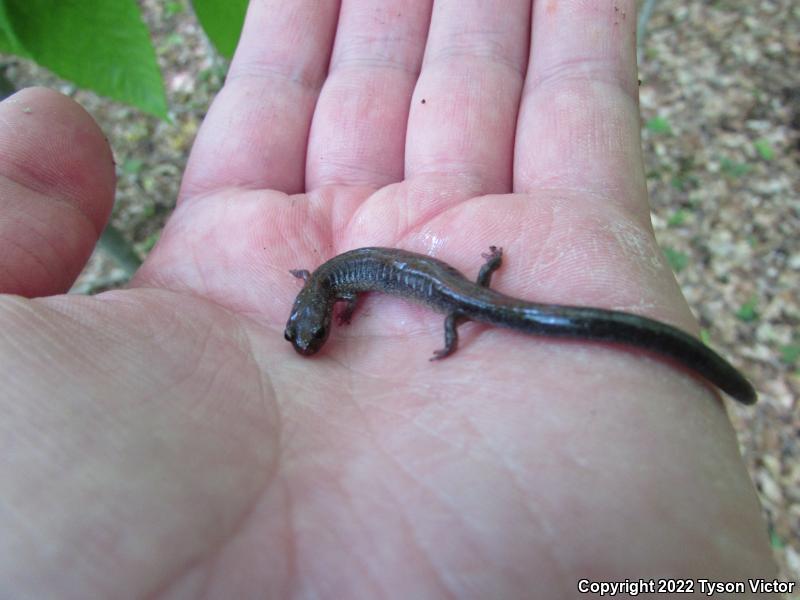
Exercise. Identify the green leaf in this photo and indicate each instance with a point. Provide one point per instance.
(733, 168)
(790, 353)
(148, 211)
(659, 125)
(174, 8)
(113, 242)
(764, 149)
(9, 42)
(676, 259)
(705, 336)
(147, 244)
(775, 540)
(222, 21)
(684, 181)
(677, 218)
(99, 45)
(747, 311)
(132, 166)
(175, 39)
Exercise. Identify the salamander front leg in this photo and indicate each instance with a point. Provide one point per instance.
(300, 274)
(450, 337)
(350, 301)
(494, 258)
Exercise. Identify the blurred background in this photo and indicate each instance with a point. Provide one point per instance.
(720, 102)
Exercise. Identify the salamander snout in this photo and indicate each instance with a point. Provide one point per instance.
(309, 324)
(306, 341)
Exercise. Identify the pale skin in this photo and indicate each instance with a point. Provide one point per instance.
(166, 441)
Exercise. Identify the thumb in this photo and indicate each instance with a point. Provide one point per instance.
(56, 191)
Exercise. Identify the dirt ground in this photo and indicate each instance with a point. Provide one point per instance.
(720, 99)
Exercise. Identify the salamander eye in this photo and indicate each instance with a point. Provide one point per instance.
(319, 333)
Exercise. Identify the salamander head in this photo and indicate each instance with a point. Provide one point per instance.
(310, 321)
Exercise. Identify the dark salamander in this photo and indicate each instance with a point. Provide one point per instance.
(430, 281)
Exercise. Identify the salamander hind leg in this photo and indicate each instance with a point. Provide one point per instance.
(450, 337)
(494, 258)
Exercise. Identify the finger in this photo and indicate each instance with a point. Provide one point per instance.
(579, 118)
(358, 136)
(465, 106)
(56, 191)
(256, 131)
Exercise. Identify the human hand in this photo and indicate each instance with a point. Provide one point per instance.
(166, 439)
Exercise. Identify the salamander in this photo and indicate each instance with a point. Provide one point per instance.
(430, 281)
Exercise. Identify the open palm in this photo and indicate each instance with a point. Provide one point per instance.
(165, 439)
